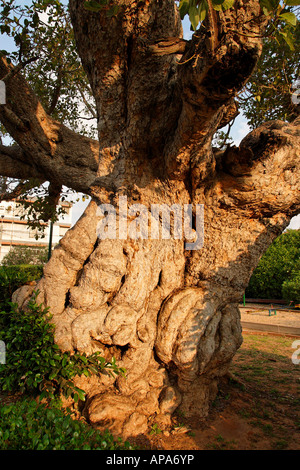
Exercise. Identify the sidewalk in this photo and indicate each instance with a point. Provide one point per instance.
(259, 319)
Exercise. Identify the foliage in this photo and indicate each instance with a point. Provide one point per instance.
(27, 425)
(13, 277)
(46, 51)
(222, 139)
(282, 20)
(277, 274)
(268, 94)
(291, 287)
(35, 364)
(20, 255)
(38, 207)
(44, 42)
(106, 5)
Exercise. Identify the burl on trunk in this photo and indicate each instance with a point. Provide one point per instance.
(169, 315)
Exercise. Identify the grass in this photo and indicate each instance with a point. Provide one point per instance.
(267, 389)
(220, 443)
(258, 408)
(272, 384)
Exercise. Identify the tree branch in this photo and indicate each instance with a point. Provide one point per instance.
(116, 57)
(56, 92)
(13, 71)
(46, 148)
(13, 164)
(217, 65)
(14, 193)
(87, 104)
(261, 177)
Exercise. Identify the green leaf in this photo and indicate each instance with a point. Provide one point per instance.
(266, 6)
(113, 11)
(203, 7)
(7, 410)
(84, 359)
(292, 3)
(228, 4)
(222, 5)
(81, 394)
(194, 17)
(52, 375)
(289, 39)
(184, 6)
(289, 18)
(86, 372)
(93, 6)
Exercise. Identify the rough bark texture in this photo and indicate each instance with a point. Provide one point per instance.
(168, 315)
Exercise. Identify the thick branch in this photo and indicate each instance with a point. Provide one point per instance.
(261, 177)
(133, 87)
(215, 66)
(46, 149)
(13, 164)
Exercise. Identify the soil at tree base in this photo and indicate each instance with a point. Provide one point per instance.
(257, 409)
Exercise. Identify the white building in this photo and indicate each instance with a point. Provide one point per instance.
(14, 231)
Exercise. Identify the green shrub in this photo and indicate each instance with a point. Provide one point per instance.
(13, 277)
(291, 289)
(278, 265)
(27, 425)
(35, 364)
(26, 255)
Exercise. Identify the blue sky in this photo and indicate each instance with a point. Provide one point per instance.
(239, 130)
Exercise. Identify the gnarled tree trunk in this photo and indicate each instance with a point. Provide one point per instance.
(169, 315)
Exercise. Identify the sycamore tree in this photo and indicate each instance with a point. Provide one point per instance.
(153, 272)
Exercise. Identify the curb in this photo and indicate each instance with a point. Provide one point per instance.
(278, 329)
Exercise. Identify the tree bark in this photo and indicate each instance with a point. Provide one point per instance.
(169, 315)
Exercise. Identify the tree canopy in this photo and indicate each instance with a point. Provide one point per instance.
(45, 51)
(268, 94)
(277, 274)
